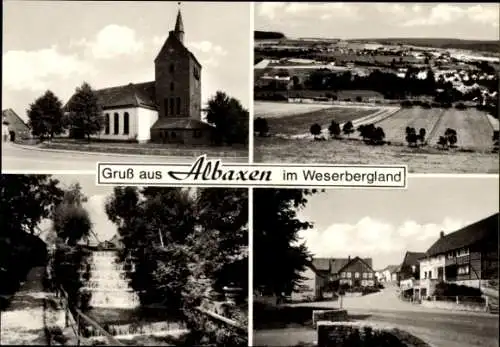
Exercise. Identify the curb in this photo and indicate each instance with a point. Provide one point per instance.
(32, 148)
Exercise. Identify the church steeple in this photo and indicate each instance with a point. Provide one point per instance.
(179, 26)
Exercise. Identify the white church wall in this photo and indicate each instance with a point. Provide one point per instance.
(133, 124)
(146, 119)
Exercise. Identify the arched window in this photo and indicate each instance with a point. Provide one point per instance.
(171, 68)
(126, 120)
(178, 104)
(171, 86)
(116, 123)
(106, 124)
(165, 105)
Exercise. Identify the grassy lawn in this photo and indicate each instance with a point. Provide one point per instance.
(419, 160)
(146, 148)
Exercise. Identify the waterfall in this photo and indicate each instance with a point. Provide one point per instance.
(108, 282)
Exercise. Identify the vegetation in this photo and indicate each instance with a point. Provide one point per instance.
(46, 116)
(278, 256)
(348, 128)
(85, 116)
(229, 118)
(371, 134)
(261, 126)
(315, 130)
(186, 245)
(334, 129)
(267, 35)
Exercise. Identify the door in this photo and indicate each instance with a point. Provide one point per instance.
(12, 136)
(440, 273)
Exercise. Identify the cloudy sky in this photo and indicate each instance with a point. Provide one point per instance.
(57, 45)
(384, 224)
(372, 20)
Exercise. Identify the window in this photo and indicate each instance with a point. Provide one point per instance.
(370, 275)
(178, 104)
(348, 275)
(463, 252)
(126, 125)
(451, 255)
(196, 73)
(117, 124)
(173, 134)
(165, 105)
(463, 270)
(172, 106)
(413, 268)
(106, 125)
(197, 134)
(364, 274)
(356, 275)
(171, 86)
(171, 68)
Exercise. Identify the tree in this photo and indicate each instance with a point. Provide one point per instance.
(421, 135)
(46, 116)
(71, 221)
(334, 129)
(443, 142)
(378, 136)
(411, 136)
(261, 126)
(229, 118)
(348, 128)
(315, 130)
(278, 256)
(85, 116)
(451, 135)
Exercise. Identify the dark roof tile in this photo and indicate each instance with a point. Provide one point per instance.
(467, 236)
(180, 123)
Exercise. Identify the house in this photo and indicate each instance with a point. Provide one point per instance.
(166, 110)
(13, 126)
(390, 273)
(464, 257)
(357, 273)
(409, 271)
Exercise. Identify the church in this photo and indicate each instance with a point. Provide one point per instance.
(166, 110)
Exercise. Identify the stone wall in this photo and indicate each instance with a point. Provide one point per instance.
(355, 334)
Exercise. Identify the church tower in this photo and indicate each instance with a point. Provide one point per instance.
(177, 77)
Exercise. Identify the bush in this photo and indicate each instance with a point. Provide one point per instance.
(359, 99)
(452, 290)
(425, 105)
(460, 106)
(406, 103)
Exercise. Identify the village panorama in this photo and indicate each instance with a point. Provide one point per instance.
(327, 91)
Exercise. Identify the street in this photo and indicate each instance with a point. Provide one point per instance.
(440, 328)
(16, 159)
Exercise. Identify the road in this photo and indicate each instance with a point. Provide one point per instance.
(440, 328)
(17, 159)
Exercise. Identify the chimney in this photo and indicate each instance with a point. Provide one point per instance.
(348, 258)
(441, 234)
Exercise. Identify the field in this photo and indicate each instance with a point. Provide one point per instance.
(474, 130)
(419, 160)
(283, 109)
(296, 119)
(395, 126)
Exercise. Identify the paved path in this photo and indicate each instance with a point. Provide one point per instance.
(16, 159)
(25, 319)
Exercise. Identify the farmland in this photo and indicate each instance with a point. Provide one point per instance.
(419, 160)
(395, 126)
(295, 119)
(473, 128)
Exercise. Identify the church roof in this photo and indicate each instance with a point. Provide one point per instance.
(179, 26)
(172, 36)
(134, 95)
(179, 123)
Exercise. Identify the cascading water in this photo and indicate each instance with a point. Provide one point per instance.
(108, 282)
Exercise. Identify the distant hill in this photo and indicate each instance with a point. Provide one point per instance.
(475, 45)
(268, 35)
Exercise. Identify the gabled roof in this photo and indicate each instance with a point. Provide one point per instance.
(136, 95)
(171, 39)
(485, 229)
(15, 123)
(129, 95)
(367, 262)
(411, 258)
(392, 268)
(180, 123)
(334, 265)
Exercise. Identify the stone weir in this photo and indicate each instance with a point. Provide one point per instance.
(108, 283)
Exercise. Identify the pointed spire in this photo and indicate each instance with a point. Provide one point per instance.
(179, 26)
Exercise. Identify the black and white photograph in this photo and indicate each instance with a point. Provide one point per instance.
(415, 267)
(136, 81)
(89, 265)
(378, 83)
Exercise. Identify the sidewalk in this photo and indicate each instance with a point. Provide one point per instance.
(25, 319)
